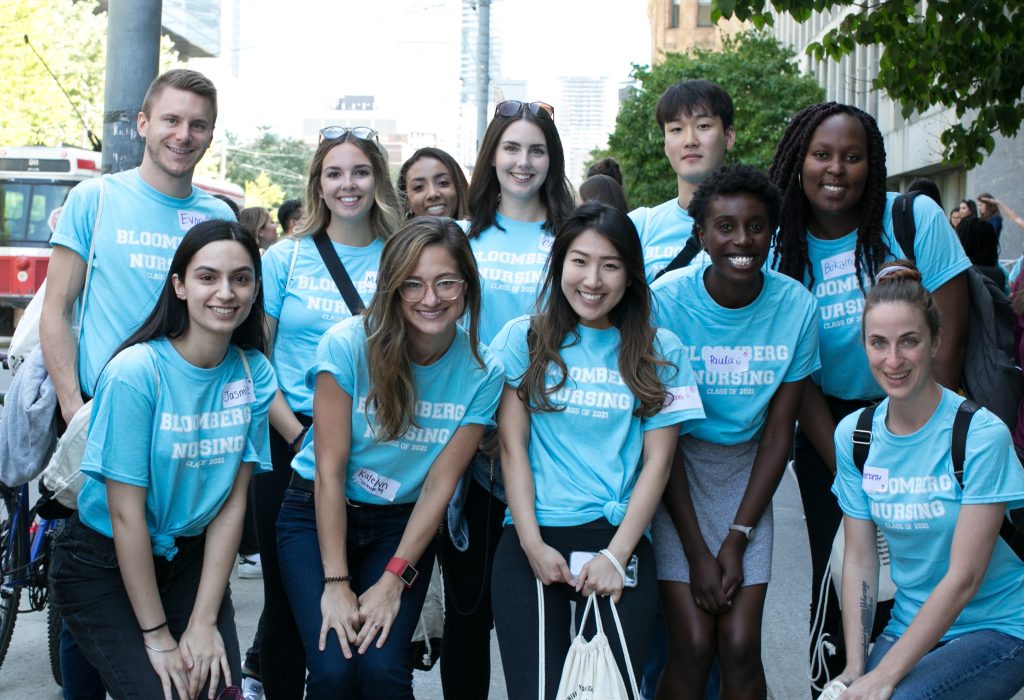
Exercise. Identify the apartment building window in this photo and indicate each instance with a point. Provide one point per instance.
(704, 13)
(673, 18)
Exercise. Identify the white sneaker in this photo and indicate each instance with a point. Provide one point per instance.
(252, 689)
(250, 567)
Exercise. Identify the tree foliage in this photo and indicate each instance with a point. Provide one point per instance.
(262, 192)
(72, 38)
(963, 54)
(285, 162)
(766, 89)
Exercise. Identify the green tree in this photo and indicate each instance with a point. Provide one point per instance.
(284, 160)
(262, 192)
(963, 54)
(766, 89)
(72, 39)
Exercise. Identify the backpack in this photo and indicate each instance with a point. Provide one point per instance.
(1012, 529)
(990, 375)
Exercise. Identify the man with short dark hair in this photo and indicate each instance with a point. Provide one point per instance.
(288, 215)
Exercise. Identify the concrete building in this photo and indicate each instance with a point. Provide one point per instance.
(912, 145)
(585, 116)
(680, 25)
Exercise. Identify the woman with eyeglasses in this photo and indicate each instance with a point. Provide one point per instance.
(519, 190)
(350, 209)
(432, 184)
(401, 398)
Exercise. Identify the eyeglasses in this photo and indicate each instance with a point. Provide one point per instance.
(445, 290)
(513, 108)
(360, 132)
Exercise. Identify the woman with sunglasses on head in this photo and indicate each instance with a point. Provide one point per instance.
(594, 400)
(401, 399)
(519, 190)
(350, 209)
(179, 421)
(432, 184)
(835, 233)
(957, 626)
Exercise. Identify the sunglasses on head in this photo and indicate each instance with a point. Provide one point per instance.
(360, 132)
(513, 108)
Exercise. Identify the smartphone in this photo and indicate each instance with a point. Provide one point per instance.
(577, 560)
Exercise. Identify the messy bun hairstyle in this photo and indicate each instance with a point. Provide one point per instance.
(900, 281)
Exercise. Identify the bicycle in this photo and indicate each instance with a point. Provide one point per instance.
(26, 542)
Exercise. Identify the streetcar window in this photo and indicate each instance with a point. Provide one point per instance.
(26, 211)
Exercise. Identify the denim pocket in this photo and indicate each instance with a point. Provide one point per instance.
(297, 498)
(90, 548)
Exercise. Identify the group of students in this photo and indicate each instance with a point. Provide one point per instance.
(492, 359)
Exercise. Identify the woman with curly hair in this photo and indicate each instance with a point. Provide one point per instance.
(835, 233)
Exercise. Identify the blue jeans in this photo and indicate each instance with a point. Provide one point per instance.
(983, 664)
(373, 535)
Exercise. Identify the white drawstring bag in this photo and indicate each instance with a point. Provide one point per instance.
(590, 671)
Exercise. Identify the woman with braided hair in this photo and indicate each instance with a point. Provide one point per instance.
(835, 234)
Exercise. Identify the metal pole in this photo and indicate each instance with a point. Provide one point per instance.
(133, 57)
(483, 67)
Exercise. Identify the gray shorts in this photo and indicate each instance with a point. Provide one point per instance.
(718, 476)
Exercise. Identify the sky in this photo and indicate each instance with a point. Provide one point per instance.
(297, 57)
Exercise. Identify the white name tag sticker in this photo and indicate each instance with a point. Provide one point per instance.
(724, 359)
(238, 393)
(370, 280)
(188, 219)
(681, 398)
(875, 480)
(376, 484)
(838, 266)
(545, 242)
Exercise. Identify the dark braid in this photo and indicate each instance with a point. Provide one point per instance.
(791, 256)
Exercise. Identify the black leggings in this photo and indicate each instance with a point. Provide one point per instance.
(466, 648)
(515, 609)
(282, 661)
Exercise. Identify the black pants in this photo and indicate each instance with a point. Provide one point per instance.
(466, 647)
(822, 516)
(514, 597)
(282, 661)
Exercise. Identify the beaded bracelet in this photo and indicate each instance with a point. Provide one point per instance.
(336, 579)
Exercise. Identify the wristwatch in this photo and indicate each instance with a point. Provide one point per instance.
(746, 530)
(403, 570)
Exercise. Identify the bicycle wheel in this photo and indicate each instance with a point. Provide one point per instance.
(53, 628)
(12, 552)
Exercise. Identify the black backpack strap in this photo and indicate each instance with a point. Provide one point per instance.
(961, 424)
(684, 257)
(338, 273)
(903, 223)
(862, 437)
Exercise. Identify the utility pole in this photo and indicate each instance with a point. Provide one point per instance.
(483, 67)
(133, 57)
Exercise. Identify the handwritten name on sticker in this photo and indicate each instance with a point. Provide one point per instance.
(875, 480)
(838, 266)
(681, 398)
(720, 358)
(238, 393)
(188, 219)
(377, 484)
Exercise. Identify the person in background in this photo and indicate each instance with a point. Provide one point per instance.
(230, 202)
(1013, 216)
(258, 222)
(140, 575)
(835, 233)
(431, 183)
(967, 208)
(957, 626)
(981, 244)
(133, 221)
(288, 216)
(603, 188)
(954, 217)
(926, 187)
(606, 166)
(990, 212)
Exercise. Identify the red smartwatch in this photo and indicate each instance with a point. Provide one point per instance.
(403, 570)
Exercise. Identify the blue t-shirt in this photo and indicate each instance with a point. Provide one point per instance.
(139, 230)
(178, 431)
(586, 459)
(844, 365)
(307, 304)
(909, 491)
(664, 231)
(452, 392)
(739, 356)
(511, 264)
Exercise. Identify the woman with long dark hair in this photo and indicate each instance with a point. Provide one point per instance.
(834, 235)
(401, 399)
(433, 184)
(179, 422)
(589, 365)
(519, 192)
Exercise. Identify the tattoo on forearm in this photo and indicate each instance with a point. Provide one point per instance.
(867, 616)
